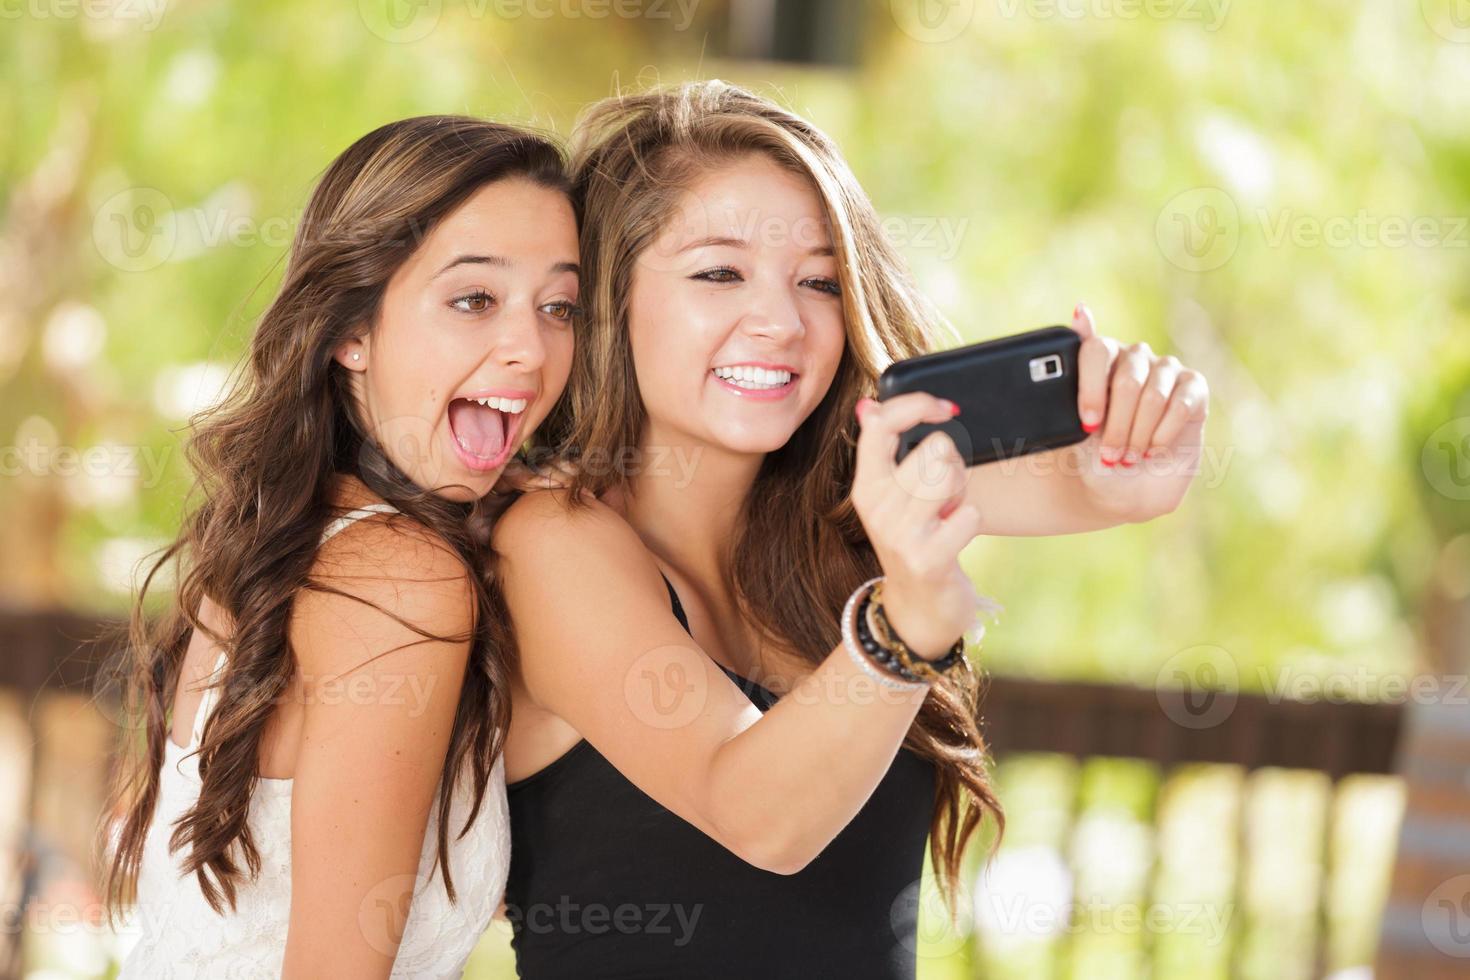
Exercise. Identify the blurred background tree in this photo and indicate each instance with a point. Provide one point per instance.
(1277, 194)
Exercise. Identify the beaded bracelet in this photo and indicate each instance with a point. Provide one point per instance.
(875, 648)
(886, 636)
(854, 625)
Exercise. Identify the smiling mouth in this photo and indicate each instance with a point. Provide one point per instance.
(755, 378)
(482, 427)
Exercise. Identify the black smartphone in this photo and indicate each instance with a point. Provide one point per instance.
(1017, 394)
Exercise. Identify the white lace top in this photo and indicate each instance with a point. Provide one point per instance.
(180, 936)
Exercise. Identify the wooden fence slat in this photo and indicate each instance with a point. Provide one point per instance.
(15, 794)
(1426, 925)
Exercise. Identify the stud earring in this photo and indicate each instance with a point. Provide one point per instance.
(357, 357)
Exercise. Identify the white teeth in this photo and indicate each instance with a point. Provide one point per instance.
(510, 406)
(754, 378)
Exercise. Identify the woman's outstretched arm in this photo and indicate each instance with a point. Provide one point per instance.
(1138, 463)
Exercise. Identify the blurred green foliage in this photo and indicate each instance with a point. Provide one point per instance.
(1276, 194)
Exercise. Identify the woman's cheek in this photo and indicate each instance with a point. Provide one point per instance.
(834, 341)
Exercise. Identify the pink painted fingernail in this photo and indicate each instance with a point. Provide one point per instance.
(953, 408)
(1108, 462)
(1089, 426)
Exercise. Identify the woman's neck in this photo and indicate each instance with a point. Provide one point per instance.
(686, 502)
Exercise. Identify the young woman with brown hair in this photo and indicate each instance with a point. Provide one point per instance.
(727, 751)
(317, 788)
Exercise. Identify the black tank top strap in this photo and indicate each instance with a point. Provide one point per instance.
(762, 697)
(679, 613)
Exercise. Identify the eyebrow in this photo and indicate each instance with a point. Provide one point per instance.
(502, 262)
(742, 243)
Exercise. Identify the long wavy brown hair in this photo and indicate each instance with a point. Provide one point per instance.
(801, 549)
(266, 462)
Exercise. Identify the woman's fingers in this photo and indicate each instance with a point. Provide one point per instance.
(1188, 404)
(1130, 371)
(1094, 368)
(515, 476)
(954, 532)
(907, 508)
(1152, 401)
(931, 474)
(518, 476)
(1082, 321)
(883, 422)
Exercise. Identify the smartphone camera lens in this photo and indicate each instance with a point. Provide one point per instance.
(1046, 368)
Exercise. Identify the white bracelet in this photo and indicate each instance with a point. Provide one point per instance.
(855, 650)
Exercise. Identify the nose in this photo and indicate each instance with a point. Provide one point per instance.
(519, 345)
(774, 315)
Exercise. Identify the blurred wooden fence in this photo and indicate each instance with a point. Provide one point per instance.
(57, 733)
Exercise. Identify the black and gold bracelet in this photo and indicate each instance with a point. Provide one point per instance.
(914, 664)
(885, 656)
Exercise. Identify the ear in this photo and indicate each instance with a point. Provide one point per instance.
(353, 354)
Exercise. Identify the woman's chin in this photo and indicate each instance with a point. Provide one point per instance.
(755, 442)
(467, 492)
(455, 482)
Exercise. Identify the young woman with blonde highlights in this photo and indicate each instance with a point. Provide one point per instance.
(692, 731)
(315, 786)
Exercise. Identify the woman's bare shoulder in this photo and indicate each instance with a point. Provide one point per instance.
(545, 547)
(551, 516)
(386, 569)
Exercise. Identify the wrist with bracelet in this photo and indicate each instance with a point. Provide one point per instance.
(874, 645)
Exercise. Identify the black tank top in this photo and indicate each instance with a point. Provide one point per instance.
(606, 883)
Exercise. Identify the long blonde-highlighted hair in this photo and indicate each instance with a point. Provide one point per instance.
(800, 548)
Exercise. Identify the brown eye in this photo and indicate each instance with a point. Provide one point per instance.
(476, 302)
(722, 274)
(562, 310)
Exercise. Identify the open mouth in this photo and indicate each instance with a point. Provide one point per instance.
(484, 429)
(749, 378)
